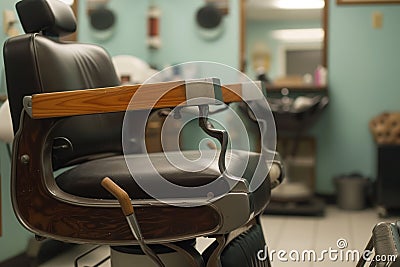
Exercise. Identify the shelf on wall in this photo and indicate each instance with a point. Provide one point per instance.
(301, 161)
(297, 88)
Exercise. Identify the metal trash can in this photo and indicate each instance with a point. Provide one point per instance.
(351, 191)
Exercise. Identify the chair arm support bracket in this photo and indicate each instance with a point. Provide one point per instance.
(220, 135)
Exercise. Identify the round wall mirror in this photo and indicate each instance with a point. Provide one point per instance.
(101, 19)
(210, 22)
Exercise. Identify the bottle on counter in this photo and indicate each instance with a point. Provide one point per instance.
(320, 76)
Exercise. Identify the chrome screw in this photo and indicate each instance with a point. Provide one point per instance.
(25, 159)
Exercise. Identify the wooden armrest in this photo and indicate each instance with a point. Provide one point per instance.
(115, 99)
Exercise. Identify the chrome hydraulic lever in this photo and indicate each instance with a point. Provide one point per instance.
(220, 135)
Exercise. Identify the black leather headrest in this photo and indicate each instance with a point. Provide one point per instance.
(52, 17)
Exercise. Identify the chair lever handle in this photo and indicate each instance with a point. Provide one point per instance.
(127, 208)
(120, 194)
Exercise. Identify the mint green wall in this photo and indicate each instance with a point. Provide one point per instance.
(4, 4)
(364, 80)
(180, 41)
(14, 238)
(129, 35)
(257, 30)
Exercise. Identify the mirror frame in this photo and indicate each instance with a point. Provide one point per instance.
(242, 32)
(325, 22)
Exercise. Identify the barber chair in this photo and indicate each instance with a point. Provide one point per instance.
(383, 247)
(45, 81)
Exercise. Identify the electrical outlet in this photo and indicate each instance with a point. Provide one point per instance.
(377, 20)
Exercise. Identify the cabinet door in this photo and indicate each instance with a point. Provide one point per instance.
(299, 157)
(388, 181)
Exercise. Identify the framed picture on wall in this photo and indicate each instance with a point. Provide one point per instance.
(343, 2)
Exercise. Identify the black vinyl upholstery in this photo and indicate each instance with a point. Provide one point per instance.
(84, 180)
(52, 17)
(36, 64)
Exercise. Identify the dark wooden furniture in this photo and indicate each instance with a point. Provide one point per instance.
(388, 179)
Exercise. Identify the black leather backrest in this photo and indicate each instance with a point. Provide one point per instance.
(52, 17)
(37, 64)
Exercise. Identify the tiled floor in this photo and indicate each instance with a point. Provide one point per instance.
(318, 234)
(283, 233)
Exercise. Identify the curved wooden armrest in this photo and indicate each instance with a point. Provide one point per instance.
(116, 99)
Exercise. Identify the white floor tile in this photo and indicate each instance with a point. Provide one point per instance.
(318, 234)
(203, 243)
(272, 228)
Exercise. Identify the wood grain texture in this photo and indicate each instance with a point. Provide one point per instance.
(115, 99)
(47, 216)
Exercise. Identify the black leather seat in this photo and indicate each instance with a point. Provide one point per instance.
(84, 179)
